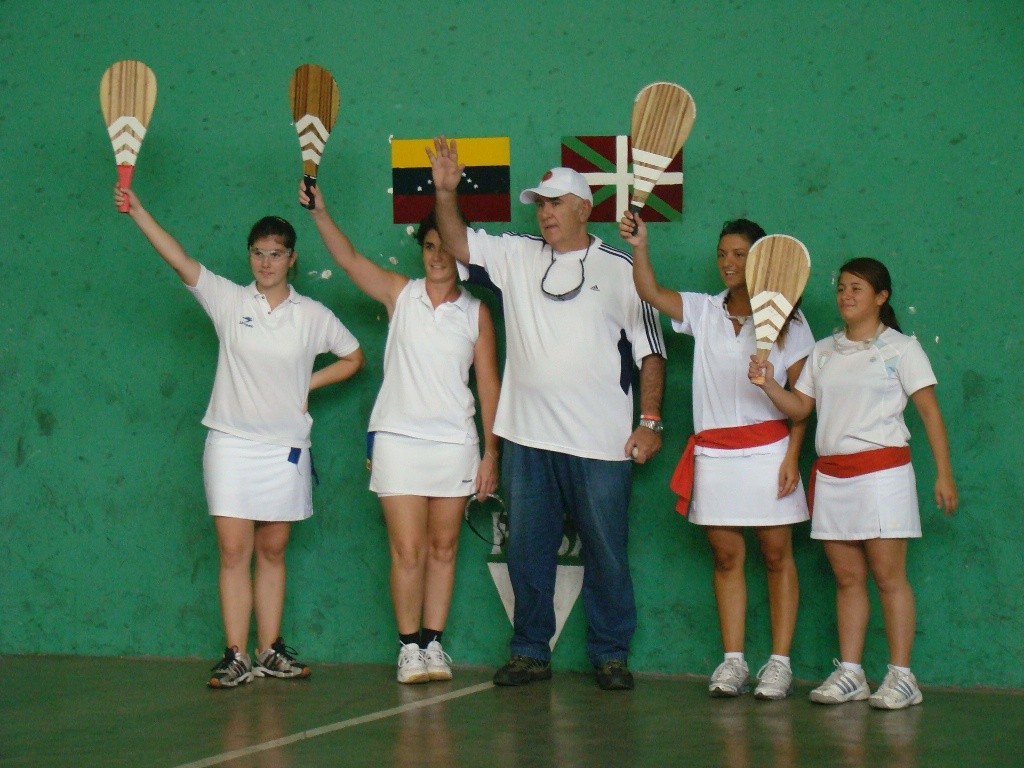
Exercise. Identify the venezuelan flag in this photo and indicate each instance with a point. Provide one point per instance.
(483, 192)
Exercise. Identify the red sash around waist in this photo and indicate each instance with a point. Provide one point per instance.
(856, 464)
(750, 436)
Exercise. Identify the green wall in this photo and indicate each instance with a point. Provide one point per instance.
(891, 129)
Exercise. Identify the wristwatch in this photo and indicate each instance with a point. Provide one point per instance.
(654, 425)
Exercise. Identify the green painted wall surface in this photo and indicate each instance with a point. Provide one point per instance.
(891, 129)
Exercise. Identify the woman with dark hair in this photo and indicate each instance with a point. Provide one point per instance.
(863, 488)
(740, 468)
(257, 466)
(425, 458)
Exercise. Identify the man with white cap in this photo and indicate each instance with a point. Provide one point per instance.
(575, 333)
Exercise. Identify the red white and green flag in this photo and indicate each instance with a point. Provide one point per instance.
(604, 162)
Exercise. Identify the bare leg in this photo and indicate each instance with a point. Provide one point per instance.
(235, 541)
(849, 563)
(783, 586)
(887, 559)
(444, 522)
(406, 518)
(729, 551)
(268, 592)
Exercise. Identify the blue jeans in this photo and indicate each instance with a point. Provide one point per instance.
(542, 486)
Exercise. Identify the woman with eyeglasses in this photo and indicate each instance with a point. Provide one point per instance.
(740, 468)
(863, 486)
(425, 460)
(257, 466)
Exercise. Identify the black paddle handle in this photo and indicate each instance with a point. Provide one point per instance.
(309, 182)
(635, 210)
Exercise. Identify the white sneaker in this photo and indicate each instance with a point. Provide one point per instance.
(729, 679)
(898, 691)
(411, 666)
(775, 681)
(438, 662)
(841, 686)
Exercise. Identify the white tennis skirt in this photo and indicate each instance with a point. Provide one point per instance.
(410, 466)
(256, 481)
(879, 505)
(742, 491)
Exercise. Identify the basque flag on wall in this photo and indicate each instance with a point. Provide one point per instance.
(483, 191)
(604, 162)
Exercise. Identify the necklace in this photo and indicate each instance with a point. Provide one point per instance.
(846, 346)
(738, 319)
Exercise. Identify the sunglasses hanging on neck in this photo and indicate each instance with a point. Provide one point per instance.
(563, 279)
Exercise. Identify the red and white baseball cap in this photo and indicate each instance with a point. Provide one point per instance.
(558, 182)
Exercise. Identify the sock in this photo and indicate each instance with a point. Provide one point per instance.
(850, 666)
(427, 636)
(734, 655)
(783, 659)
(414, 638)
(904, 670)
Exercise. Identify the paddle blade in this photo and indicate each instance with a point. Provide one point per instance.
(127, 99)
(315, 101)
(777, 270)
(663, 115)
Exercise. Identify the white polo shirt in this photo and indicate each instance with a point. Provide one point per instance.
(425, 392)
(265, 359)
(860, 390)
(568, 380)
(722, 393)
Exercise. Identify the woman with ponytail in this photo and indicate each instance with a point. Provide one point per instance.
(863, 490)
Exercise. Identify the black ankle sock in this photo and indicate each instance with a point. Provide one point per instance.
(414, 638)
(427, 636)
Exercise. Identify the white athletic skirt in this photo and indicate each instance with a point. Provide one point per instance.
(256, 481)
(879, 505)
(410, 466)
(741, 491)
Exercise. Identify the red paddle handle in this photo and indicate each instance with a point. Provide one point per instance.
(124, 181)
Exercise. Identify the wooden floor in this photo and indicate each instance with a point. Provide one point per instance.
(84, 712)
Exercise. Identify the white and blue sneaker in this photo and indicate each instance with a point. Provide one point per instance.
(842, 686)
(898, 691)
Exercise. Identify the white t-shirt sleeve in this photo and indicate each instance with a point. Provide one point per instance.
(805, 381)
(214, 294)
(914, 369)
(337, 338)
(646, 333)
(694, 306)
(492, 252)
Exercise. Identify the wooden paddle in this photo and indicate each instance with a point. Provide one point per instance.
(777, 270)
(663, 115)
(315, 102)
(127, 98)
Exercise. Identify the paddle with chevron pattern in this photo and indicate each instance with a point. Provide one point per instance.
(127, 98)
(777, 270)
(315, 101)
(663, 115)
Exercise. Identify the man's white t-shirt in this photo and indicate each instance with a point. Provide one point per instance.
(569, 370)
